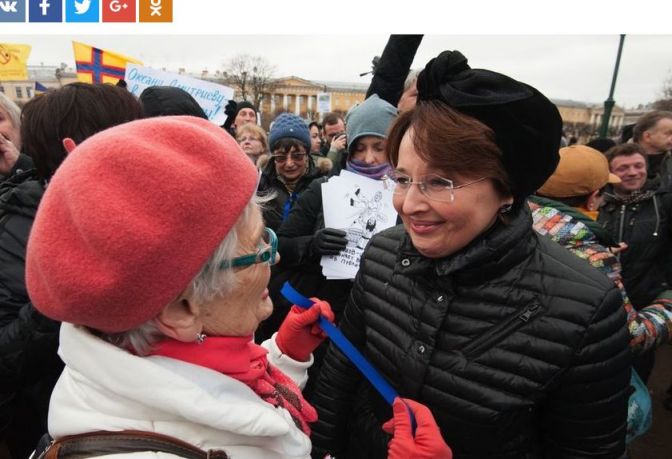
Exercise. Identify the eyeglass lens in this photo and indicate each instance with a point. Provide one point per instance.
(296, 156)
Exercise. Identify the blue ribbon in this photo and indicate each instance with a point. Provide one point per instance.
(289, 203)
(351, 352)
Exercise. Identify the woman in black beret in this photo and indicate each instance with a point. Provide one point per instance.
(519, 348)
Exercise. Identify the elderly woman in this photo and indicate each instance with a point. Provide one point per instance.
(159, 313)
(253, 140)
(10, 135)
(519, 348)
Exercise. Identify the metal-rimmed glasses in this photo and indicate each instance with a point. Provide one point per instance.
(266, 253)
(433, 186)
(296, 156)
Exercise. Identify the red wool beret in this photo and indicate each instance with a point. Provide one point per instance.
(131, 216)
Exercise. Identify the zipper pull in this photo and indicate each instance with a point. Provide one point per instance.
(529, 313)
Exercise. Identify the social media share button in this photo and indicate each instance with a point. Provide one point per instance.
(82, 11)
(156, 10)
(12, 10)
(118, 10)
(45, 10)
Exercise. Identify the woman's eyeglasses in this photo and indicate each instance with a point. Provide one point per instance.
(268, 249)
(295, 155)
(433, 186)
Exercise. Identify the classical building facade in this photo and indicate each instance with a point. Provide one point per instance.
(583, 120)
(21, 91)
(296, 95)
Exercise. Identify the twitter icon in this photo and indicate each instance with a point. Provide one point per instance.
(82, 10)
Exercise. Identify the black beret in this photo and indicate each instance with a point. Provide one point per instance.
(526, 124)
(169, 101)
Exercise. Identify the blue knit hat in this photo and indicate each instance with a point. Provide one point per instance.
(288, 125)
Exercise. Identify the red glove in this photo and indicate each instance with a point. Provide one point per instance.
(427, 444)
(299, 333)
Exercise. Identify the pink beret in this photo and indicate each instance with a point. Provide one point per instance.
(131, 216)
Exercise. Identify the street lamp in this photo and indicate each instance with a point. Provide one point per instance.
(609, 103)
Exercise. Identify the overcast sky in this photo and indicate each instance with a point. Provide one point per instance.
(576, 67)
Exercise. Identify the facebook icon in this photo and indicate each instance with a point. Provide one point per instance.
(45, 10)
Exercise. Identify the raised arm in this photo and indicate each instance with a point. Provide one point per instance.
(393, 67)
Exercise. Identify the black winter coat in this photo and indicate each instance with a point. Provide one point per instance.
(519, 348)
(645, 224)
(270, 183)
(29, 365)
(298, 264)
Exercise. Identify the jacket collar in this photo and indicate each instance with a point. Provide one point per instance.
(490, 254)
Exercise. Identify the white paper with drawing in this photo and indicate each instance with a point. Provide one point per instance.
(361, 207)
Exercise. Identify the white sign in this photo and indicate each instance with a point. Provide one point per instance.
(211, 97)
(361, 207)
(323, 102)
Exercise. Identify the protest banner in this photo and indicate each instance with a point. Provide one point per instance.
(212, 97)
(323, 102)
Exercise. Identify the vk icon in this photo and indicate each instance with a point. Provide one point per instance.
(82, 10)
(12, 10)
(45, 10)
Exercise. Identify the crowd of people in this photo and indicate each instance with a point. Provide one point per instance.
(143, 249)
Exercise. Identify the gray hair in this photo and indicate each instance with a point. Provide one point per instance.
(410, 79)
(209, 283)
(648, 121)
(13, 110)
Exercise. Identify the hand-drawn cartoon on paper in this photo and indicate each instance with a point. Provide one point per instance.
(371, 211)
(361, 207)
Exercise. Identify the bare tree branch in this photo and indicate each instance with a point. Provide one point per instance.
(252, 75)
(665, 102)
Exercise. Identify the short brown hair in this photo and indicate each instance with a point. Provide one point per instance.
(451, 142)
(331, 119)
(77, 111)
(648, 121)
(624, 149)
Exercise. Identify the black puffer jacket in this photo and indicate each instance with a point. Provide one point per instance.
(518, 347)
(29, 365)
(274, 211)
(644, 222)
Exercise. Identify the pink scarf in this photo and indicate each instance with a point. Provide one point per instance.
(240, 358)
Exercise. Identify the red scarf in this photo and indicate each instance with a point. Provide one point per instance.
(240, 358)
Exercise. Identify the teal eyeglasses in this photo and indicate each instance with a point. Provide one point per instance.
(266, 253)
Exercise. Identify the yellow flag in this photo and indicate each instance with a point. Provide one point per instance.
(98, 65)
(13, 61)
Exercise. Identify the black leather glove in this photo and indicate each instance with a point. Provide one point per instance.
(328, 241)
(231, 107)
(230, 111)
